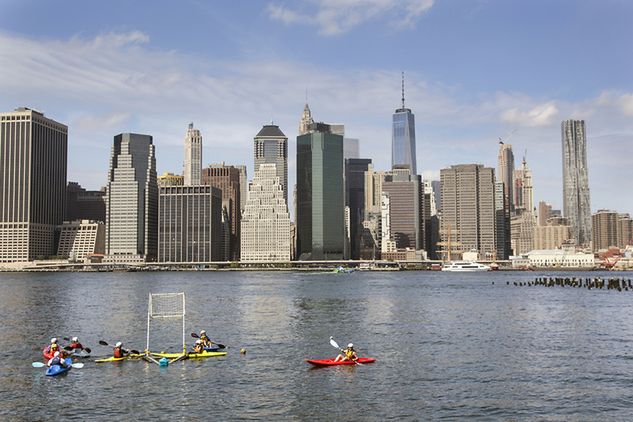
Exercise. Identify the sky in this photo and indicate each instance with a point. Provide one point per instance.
(476, 71)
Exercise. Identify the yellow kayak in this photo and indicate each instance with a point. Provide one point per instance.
(189, 355)
(113, 359)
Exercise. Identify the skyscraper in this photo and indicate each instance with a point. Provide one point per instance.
(505, 172)
(193, 156)
(406, 208)
(271, 147)
(403, 138)
(266, 221)
(468, 208)
(320, 195)
(227, 179)
(355, 169)
(523, 190)
(306, 120)
(132, 200)
(576, 203)
(82, 204)
(190, 219)
(33, 160)
(605, 229)
(503, 247)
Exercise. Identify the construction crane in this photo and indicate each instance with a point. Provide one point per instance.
(507, 137)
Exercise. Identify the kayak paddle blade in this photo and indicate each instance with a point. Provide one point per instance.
(38, 365)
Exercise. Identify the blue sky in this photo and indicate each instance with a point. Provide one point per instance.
(475, 70)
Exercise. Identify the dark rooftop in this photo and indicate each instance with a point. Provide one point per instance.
(271, 130)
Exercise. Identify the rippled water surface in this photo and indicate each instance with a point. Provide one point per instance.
(452, 346)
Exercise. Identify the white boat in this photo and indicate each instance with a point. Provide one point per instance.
(465, 266)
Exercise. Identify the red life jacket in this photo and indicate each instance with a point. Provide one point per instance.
(118, 353)
(74, 345)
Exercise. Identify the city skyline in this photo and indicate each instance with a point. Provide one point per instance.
(129, 76)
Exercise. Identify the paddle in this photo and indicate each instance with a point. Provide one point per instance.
(220, 345)
(335, 344)
(87, 349)
(41, 365)
(133, 351)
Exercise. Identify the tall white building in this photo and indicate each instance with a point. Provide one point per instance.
(266, 222)
(193, 156)
(132, 200)
(576, 203)
(505, 171)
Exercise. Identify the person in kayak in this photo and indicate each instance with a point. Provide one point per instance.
(119, 351)
(347, 354)
(48, 350)
(57, 359)
(75, 344)
(206, 341)
(199, 347)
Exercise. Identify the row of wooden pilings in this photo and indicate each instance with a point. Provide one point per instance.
(619, 284)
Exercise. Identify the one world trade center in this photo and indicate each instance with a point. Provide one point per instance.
(403, 138)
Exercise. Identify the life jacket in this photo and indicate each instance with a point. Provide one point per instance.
(198, 348)
(349, 353)
(205, 340)
(118, 353)
(76, 345)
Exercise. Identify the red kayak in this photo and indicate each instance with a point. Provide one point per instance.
(330, 362)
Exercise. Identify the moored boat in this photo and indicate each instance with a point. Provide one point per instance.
(465, 266)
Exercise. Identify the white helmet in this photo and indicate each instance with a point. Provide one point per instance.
(54, 340)
(75, 339)
(56, 354)
(202, 332)
(350, 345)
(118, 344)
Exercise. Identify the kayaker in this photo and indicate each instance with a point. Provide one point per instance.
(49, 348)
(75, 344)
(57, 359)
(347, 354)
(199, 347)
(206, 341)
(119, 351)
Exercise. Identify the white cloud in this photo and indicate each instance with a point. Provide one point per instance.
(334, 17)
(540, 115)
(116, 83)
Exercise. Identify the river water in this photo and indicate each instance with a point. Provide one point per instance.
(448, 346)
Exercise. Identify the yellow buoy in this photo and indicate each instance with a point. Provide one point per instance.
(243, 351)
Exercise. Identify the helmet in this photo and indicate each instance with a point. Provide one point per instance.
(54, 340)
(56, 354)
(202, 332)
(118, 344)
(350, 345)
(54, 346)
(75, 339)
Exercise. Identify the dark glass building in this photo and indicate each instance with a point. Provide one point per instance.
(320, 195)
(82, 204)
(355, 169)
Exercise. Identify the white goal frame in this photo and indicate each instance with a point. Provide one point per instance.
(157, 314)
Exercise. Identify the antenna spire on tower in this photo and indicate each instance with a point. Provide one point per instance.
(402, 89)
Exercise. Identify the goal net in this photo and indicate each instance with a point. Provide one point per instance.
(163, 314)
